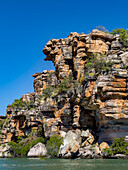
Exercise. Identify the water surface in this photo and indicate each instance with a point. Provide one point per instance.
(63, 164)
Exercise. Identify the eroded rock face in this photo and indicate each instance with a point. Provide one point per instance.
(43, 80)
(97, 102)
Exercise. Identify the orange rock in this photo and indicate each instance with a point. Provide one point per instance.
(103, 146)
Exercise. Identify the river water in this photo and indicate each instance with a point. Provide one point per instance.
(63, 164)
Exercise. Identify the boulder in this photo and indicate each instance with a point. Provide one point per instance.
(38, 150)
(116, 45)
(87, 137)
(96, 152)
(103, 146)
(4, 151)
(71, 144)
(120, 156)
(88, 154)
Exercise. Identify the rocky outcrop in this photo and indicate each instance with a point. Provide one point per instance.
(4, 151)
(43, 80)
(69, 101)
(74, 141)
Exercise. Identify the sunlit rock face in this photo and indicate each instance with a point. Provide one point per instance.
(97, 102)
(43, 80)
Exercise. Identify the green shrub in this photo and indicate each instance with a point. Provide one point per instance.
(53, 145)
(6, 121)
(92, 147)
(119, 146)
(4, 146)
(30, 105)
(63, 86)
(108, 150)
(20, 149)
(66, 84)
(36, 133)
(47, 92)
(97, 62)
(123, 35)
(82, 79)
(1, 125)
(19, 104)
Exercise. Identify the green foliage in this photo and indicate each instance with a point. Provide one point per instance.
(36, 133)
(91, 74)
(82, 79)
(21, 148)
(1, 125)
(4, 146)
(119, 146)
(6, 121)
(63, 86)
(97, 62)
(19, 138)
(19, 104)
(30, 105)
(53, 145)
(123, 35)
(47, 92)
(92, 147)
(108, 150)
(40, 131)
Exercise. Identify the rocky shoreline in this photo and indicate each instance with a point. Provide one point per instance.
(73, 147)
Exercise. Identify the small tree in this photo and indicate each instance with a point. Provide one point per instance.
(123, 35)
(119, 146)
(98, 63)
(53, 145)
(101, 28)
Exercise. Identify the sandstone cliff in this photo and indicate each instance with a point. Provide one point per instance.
(74, 97)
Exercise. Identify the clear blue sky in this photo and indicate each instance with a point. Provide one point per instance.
(27, 25)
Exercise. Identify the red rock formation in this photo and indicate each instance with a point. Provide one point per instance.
(97, 102)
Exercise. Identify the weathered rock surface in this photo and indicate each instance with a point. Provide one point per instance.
(103, 146)
(39, 150)
(4, 151)
(93, 107)
(43, 80)
(71, 144)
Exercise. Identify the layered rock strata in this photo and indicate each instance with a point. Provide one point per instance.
(96, 102)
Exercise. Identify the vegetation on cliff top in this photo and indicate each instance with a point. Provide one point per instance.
(62, 87)
(19, 104)
(97, 63)
(123, 35)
